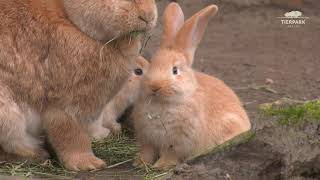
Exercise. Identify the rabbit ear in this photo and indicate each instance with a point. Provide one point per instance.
(190, 35)
(173, 20)
(142, 62)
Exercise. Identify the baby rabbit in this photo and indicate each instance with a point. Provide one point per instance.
(181, 112)
(57, 71)
(128, 94)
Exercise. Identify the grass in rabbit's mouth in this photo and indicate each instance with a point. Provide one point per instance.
(115, 150)
(136, 33)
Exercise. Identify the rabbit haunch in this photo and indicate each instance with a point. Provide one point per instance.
(54, 68)
(180, 112)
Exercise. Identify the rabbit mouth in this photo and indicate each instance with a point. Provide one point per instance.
(145, 25)
(143, 28)
(148, 26)
(162, 95)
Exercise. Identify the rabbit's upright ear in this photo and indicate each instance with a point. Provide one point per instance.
(173, 20)
(190, 35)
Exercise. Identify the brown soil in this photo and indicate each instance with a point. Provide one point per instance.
(246, 44)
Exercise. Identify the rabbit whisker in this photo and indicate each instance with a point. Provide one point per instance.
(150, 99)
(145, 43)
(101, 50)
(124, 9)
(130, 38)
(164, 127)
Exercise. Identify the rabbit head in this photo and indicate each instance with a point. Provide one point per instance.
(107, 19)
(131, 88)
(170, 75)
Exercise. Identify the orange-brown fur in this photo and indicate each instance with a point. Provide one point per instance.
(55, 68)
(180, 112)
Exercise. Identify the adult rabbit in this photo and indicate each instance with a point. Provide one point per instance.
(56, 74)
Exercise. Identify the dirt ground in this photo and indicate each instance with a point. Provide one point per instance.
(245, 45)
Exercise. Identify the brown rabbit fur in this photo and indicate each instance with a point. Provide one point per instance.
(181, 113)
(123, 100)
(56, 74)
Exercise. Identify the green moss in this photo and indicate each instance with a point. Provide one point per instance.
(294, 114)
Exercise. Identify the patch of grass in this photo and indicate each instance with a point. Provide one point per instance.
(49, 168)
(294, 113)
(114, 150)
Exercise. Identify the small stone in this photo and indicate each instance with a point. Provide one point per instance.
(269, 81)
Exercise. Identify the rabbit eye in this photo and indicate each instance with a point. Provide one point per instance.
(138, 72)
(175, 70)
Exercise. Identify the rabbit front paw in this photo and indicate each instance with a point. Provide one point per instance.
(146, 156)
(100, 133)
(82, 162)
(166, 161)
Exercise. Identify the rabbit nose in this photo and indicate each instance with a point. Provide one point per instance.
(144, 19)
(155, 89)
(147, 17)
(147, 10)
